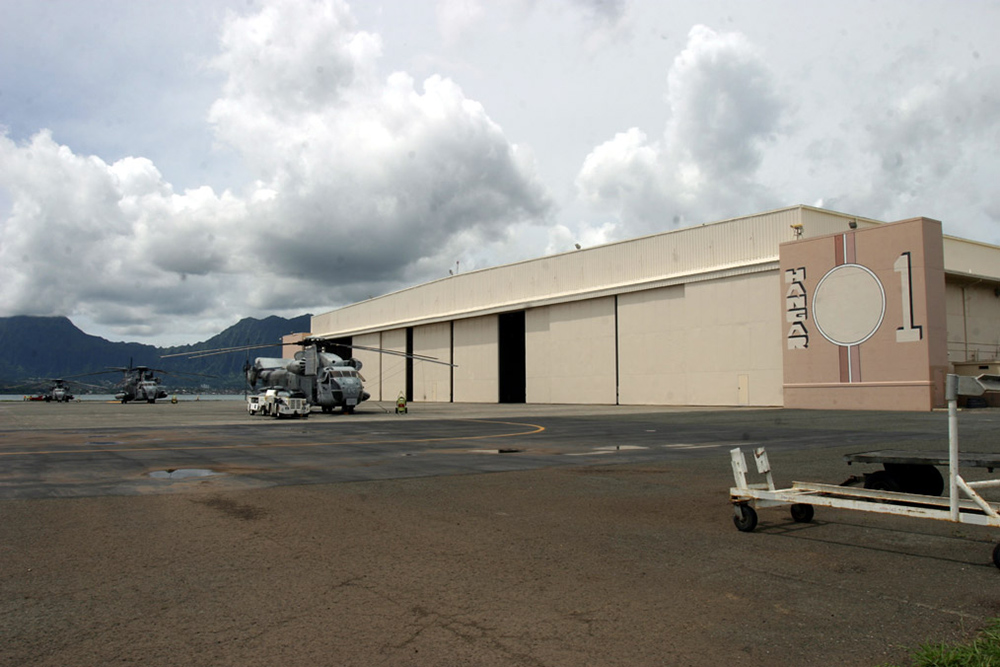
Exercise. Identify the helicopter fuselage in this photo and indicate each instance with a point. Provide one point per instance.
(59, 395)
(328, 381)
(141, 390)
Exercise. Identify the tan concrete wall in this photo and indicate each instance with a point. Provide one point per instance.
(392, 375)
(973, 321)
(707, 343)
(570, 353)
(476, 358)
(432, 382)
(736, 348)
(653, 367)
(290, 344)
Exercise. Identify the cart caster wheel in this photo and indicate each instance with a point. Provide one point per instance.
(745, 518)
(996, 555)
(802, 512)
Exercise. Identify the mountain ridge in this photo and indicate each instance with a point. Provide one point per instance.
(34, 347)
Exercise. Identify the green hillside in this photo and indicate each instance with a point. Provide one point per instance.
(48, 347)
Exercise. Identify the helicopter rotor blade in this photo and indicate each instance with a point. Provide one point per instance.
(166, 372)
(92, 386)
(397, 353)
(198, 354)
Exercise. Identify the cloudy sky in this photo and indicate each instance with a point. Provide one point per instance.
(167, 168)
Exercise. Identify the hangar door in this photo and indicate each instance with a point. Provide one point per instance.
(511, 365)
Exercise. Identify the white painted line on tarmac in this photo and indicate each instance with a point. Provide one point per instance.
(618, 447)
(694, 446)
(597, 451)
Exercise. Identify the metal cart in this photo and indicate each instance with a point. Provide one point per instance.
(893, 496)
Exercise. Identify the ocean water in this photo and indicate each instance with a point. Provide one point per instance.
(110, 397)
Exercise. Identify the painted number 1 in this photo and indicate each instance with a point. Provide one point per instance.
(908, 333)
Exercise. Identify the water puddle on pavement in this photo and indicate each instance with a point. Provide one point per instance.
(502, 450)
(184, 473)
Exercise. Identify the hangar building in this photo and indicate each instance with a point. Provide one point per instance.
(799, 307)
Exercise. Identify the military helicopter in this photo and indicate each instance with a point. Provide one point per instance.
(59, 390)
(326, 379)
(139, 383)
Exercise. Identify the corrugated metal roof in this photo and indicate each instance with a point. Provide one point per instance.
(971, 259)
(730, 247)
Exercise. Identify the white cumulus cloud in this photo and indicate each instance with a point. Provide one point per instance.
(167, 170)
(723, 110)
(362, 180)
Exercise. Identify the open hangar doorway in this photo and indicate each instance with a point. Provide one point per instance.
(342, 347)
(511, 366)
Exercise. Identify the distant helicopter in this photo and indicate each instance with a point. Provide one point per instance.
(326, 379)
(139, 383)
(59, 390)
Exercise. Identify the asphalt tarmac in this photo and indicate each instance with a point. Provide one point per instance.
(464, 534)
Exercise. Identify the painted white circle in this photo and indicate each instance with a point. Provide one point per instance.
(848, 305)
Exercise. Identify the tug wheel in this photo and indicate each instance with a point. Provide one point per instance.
(745, 518)
(802, 512)
(917, 478)
(882, 480)
(996, 555)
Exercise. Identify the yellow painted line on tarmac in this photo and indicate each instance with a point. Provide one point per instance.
(534, 428)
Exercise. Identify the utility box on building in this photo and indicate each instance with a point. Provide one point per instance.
(977, 368)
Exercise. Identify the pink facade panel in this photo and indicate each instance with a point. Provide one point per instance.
(864, 319)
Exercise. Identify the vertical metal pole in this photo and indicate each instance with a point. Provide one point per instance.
(951, 393)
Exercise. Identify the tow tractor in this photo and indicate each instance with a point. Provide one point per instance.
(279, 402)
(892, 491)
